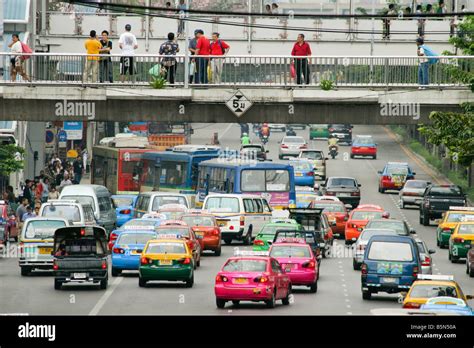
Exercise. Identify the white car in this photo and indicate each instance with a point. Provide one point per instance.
(291, 146)
(277, 126)
(327, 198)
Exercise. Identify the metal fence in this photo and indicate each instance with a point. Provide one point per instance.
(235, 71)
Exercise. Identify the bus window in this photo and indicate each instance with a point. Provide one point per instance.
(277, 180)
(173, 173)
(253, 181)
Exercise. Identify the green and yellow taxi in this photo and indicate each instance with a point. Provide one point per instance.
(318, 131)
(450, 220)
(461, 240)
(264, 238)
(168, 259)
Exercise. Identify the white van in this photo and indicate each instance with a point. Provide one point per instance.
(99, 198)
(149, 202)
(238, 215)
(75, 213)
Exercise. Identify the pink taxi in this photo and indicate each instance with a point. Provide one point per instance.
(252, 278)
(298, 261)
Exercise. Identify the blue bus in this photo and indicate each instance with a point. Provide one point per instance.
(175, 170)
(273, 181)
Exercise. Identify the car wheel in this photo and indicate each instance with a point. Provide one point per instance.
(220, 303)
(280, 157)
(248, 238)
(426, 220)
(366, 295)
(374, 157)
(190, 281)
(313, 288)
(438, 244)
(228, 241)
(218, 251)
(116, 272)
(352, 156)
(25, 271)
(57, 285)
(471, 272)
(286, 299)
(104, 283)
(355, 265)
(141, 282)
(271, 302)
(453, 259)
(235, 302)
(382, 190)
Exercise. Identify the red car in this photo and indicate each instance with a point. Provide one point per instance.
(394, 176)
(364, 145)
(335, 212)
(181, 229)
(206, 230)
(359, 218)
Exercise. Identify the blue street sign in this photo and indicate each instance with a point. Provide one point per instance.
(62, 136)
(72, 126)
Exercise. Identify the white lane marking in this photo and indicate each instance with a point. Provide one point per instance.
(349, 313)
(346, 295)
(225, 130)
(98, 306)
(348, 306)
(347, 300)
(343, 285)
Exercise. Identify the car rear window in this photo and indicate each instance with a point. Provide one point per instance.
(245, 266)
(466, 229)
(138, 224)
(223, 204)
(460, 217)
(158, 201)
(135, 238)
(42, 229)
(172, 215)
(364, 141)
(302, 166)
(366, 215)
(347, 182)
(290, 251)
(416, 184)
(84, 200)
(390, 251)
(330, 208)
(435, 290)
(398, 226)
(205, 221)
(314, 155)
(122, 201)
(68, 212)
(173, 231)
(392, 170)
(446, 191)
(293, 140)
(166, 248)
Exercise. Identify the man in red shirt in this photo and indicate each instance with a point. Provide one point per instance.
(203, 48)
(218, 48)
(301, 49)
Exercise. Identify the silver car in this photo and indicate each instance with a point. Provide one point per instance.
(425, 257)
(412, 192)
(319, 162)
(291, 146)
(363, 240)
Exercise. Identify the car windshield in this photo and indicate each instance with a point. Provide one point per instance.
(295, 140)
(366, 215)
(84, 200)
(242, 265)
(390, 251)
(397, 226)
(364, 141)
(446, 191)
(329, 208)
(68, 212)
(41, 229)
(394, 170)
(205, 221)
(158, 201)
(346, 182)
(313, 155)
(435, 290)
(290, 251)
(122, 201)
(416, 184)
(135, 238)
(166, 248)
(366, 234)
(172, 230)
(223, 204)
(138, 224)
(466, 229)
(302, 166)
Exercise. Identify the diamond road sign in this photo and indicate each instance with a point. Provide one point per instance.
(239, 104)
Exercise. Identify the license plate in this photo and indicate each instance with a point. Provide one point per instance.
(80, 275)
(298, 174)
(241, 281)
(45, 251)
(199, 233)
(390, 280)
(221, 223)
(166, 262)
(344, 194)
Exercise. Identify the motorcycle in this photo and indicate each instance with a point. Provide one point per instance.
(290, 132)
(264, 139)
(333, 151)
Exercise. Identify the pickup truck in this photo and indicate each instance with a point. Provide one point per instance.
(80, 256)
(437, 199)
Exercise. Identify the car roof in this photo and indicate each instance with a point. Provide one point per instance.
(41, 218)
(84, 188)
(124, 196)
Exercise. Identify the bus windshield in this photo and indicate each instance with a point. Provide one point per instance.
(173, 173)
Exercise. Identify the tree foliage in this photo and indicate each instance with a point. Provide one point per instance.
(455, 131)
(11, 159)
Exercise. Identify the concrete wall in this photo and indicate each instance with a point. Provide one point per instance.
(34, 142)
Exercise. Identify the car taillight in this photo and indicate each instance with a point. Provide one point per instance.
(355, 194)
(258, 242)
(261, 279)
(125, 211)
(329, 193)
(458, 240)
(386, 178)
(411, 305)
(118, 251)
(363, 269)
(104, 264)
(221, 279)
(216, 232)
(231, 227)
(145, 261)
(415, 271)
(283, 146)
(113, 236)
(185, 261)
(20, 247)
(354, 226)
(426, 261)
(55, 265)
(310, 174)
(309, 264)
(242, 221)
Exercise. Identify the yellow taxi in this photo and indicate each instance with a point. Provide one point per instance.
(461, 240)
(168, 259)
(449, 221)
(428, 286)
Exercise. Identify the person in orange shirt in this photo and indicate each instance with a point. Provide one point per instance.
(93, 46)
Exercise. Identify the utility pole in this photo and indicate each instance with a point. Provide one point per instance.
(186, 45)
(372, 38)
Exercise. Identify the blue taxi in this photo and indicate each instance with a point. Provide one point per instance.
(124, 207)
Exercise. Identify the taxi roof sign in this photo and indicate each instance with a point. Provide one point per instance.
(238, 252)
(462, 208)
(291, 240)
(435, 277)
(169, 236)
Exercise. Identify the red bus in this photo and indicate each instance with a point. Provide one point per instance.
(118, 169)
